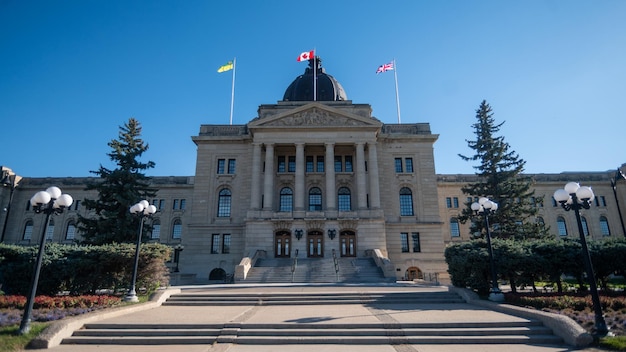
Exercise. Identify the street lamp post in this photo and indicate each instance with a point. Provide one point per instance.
(142, 209)
(49, 202)
(618, 175)
(575, 197)
(177, 249)
(485, 207)
(11, 180)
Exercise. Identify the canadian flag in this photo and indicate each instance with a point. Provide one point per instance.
(306, 56)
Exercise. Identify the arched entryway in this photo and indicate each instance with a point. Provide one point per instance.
(282, 241)
(315, 244)
(347, 243)
(217, 274)
(414, 273)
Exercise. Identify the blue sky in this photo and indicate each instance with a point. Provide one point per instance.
(73, 71)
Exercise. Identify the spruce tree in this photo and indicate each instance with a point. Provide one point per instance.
(500, 179)
(109, 219)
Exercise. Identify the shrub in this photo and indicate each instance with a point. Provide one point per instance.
(83, 269)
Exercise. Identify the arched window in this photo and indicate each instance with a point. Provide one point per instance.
(177, 229)
(70, 231)
(406, 202)
(315, 199)
(560, 224)
(28, 230)
(583, 221)
(286, 199)
(604, 226)
(455, 230)
(223, 203)
(156, 230)
(50, 230)
(539, 220)
(344, 202)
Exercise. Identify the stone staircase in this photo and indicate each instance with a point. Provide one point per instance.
(359, 333)
(316, 270)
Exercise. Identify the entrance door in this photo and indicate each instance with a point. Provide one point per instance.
(414, 273)
(315, 244)
(347, 240)
(281, 244)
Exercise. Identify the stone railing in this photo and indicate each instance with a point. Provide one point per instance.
(246, 263)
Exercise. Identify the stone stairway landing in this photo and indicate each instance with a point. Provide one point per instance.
(348, 315)
(316, 270)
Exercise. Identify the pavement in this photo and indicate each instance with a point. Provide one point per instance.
(336, 313)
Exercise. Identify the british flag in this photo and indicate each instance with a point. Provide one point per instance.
(385, 67)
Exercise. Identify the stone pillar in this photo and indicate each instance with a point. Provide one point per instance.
(300, 165)
(373, 171)
(255, 196)
(331, 197)
(361, 183)
(268, 184)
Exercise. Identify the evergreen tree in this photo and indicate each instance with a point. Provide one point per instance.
(109, 218)
(500, 178)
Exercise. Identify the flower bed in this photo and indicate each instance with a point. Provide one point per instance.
(579, 307)
(47, 308)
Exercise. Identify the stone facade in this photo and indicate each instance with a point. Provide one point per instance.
(315, 179)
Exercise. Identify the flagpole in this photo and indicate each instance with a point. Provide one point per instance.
(314, 75)
(395, 74)
(232, 95)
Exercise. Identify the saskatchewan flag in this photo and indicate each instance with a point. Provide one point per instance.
(229, 66)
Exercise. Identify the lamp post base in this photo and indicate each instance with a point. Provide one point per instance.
(496, 296)
(131, 297)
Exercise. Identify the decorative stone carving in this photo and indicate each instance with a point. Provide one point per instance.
(314, 225)
(348, 224)
(282, 225)
(315, 117)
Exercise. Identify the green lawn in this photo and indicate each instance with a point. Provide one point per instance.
(11, 341)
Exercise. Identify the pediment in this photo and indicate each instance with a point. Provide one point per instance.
(315, 115)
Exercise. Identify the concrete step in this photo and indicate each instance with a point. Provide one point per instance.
(358, 334)
(207, 299)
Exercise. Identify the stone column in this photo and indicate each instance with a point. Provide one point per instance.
(331, 197)
(373, 171)
(268, 184)
(361, 189)
(255, 197)
(300, 165)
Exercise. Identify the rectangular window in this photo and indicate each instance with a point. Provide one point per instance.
(183, 202)
(408, 163)
(554, 203)
(309, 164)
(71, 232)
(226, 244)
(448, 202)
(602, 201)
(231, 166)
(221, 164)
(177, 230)
(161, 204)
(417, 246)
(455, 202)
(337, 163)
(404, 242)
(281, 164)
(398, 163)
(156, 231)
(175, 204)
(320, 164)
(76, 204)
(291, 167)
(215, 244)
(348, 160)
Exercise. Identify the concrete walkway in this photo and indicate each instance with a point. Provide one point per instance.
(312, 314)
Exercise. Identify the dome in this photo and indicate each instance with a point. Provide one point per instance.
(328, 88)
